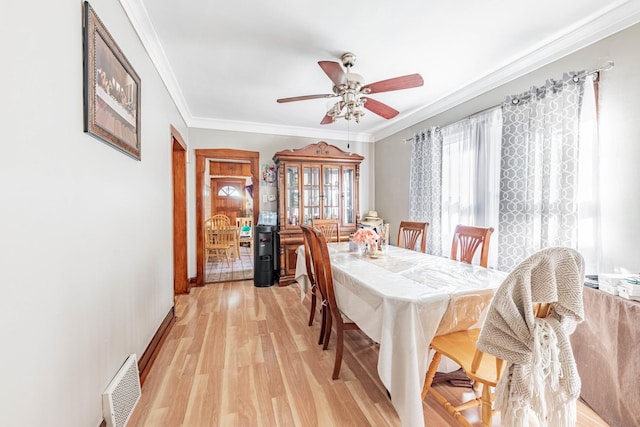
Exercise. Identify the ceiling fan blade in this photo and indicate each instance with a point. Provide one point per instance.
(302, 98)
(334, 71)
(397, 83)
(383, 110)
(328, 118)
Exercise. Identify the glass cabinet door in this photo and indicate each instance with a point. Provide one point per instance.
(330, 192)
(292, 208)
(348, 195)
(311, 195)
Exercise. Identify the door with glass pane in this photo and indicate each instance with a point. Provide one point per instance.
(311, 193)
(348, 196)
(330, 192)
(292, 194)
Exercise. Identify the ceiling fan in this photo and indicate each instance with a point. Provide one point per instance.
(350, 88)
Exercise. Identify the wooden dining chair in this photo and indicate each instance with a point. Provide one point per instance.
(316, 293)
(217, 218)
(467, 239)
(219, 238)
(482, 368)
(324, 279)
(410, 232)
(550, 280)
(329, 227)
(233, 232)
(245, 230)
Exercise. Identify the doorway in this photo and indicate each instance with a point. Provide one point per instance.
(230, 172)
(228, 196)
(179, 178)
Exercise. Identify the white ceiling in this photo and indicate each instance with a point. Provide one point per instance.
(226, 63)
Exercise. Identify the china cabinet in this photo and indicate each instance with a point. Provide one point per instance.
(319, 181)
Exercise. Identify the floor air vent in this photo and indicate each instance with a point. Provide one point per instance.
(122, 394)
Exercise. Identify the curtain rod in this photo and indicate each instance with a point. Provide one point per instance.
(606, 67)
(595, 72)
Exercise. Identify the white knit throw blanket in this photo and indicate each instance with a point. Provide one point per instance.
(541, 373)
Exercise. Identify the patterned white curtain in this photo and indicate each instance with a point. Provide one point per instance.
(425, 195)
(539, 170)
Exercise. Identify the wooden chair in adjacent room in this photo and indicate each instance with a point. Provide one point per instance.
(245, 230)
(410, 232)
(217, 218)
(219, 238)
(329, 227)
(233, 232)
(324, 279)
(467, 239)
(316, 293)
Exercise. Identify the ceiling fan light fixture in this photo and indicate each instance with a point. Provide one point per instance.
(350, 98)
(350, 89)
(334, 111)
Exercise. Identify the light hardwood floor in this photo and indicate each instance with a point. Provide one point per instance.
(239, 355)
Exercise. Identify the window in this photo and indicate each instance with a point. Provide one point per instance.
(229, 191)
(471, 175)
(519, 168)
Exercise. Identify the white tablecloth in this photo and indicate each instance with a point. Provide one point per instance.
(398, 300)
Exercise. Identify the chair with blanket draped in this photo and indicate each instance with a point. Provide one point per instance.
(410, 232)
(324, 280)
(316, 293)
(467, 239)
(329, 227)
(527, 326)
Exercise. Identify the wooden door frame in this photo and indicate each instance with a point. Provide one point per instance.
(253, 157)
(179, 178)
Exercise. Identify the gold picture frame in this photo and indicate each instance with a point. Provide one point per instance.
(111, 89)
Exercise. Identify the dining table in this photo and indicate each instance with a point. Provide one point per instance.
(401, 299)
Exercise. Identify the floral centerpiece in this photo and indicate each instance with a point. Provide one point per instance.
(368, 238)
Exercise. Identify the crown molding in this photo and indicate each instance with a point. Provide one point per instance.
(618, 16)
(141, 23)
(266, 128)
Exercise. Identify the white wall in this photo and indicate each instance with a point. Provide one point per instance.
(267, 145)
(619, 136)
(86, 231)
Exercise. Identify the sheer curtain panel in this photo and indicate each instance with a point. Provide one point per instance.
(589, 167)
(471, 175)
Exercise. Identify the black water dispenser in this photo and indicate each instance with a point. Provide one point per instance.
(265, 255)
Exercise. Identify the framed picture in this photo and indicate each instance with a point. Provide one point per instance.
(111, 89)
